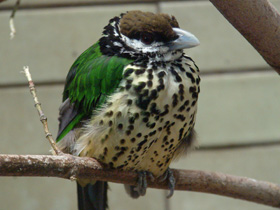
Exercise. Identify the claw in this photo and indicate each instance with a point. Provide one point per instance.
(142, 183)
(171, 181)
(151, 176)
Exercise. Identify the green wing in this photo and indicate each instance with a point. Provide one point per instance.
(91, 79)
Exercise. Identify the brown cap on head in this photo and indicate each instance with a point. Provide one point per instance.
(134, 22)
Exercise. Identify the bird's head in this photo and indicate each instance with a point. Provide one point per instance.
(145, 34)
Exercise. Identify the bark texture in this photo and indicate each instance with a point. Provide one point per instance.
(259, 22)
(71, 167)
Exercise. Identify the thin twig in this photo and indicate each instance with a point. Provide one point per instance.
(43, 118)
(12, 25)
(88, 168)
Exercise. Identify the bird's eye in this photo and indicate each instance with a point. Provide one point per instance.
(147, 38)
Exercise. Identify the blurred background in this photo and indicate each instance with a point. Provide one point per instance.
(238, 122)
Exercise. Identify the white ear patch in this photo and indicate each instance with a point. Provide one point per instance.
(140, 47)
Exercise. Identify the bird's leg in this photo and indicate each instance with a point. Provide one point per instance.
(171, 181)
(142, 182)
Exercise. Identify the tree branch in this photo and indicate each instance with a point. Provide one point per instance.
(68, 166)
(259, 22)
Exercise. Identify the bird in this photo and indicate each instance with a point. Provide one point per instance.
(130, 102)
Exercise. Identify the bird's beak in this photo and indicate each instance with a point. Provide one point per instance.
(185, 40)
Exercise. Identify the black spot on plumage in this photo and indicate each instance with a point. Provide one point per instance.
(150, 84)
(132, 140)
(152, 133)
(177, 76)
(127, 86)
(175, 100)
(147, 114)
(120, 126)
(129, 81)
(181, 108)
(140, 86)
(180, 117)
(181, 86)
(165, 112)
(145, 119)
(124, 148)
(128, 72)
(160, 165)
(139, 135)
(160, 129)
(139, 71)
(131, 120)
(153, 94)
(156, 117)
(189, 75)
(167, 160)
(110, 123)
(105, 150)
(151, 143)
(187, 102)
(182, 97)
(192, 70)
(181, 131)
(119, 153)
(160, 87)
(197, 80)
(109, 114)
(145, 92)
(153, 109)
(150, 76)
(131, 127)
(101, 122)
(141, 143)
(161, 74)
(152, 125)
(181, 92)
(160, 81)
(188, 109)
(119, 114)
(129, 102)
(194, 102)
(142, 102)
(192, 89)
(127, 132)
(136, 116)
(195, 95)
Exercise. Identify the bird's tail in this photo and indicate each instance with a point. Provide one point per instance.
(93, 196)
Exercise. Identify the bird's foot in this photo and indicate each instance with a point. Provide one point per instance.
(168, 174)
(142, 181)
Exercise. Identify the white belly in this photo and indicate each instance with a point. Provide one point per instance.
(142, 125)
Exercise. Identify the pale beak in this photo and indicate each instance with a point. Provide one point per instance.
(185, 40)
